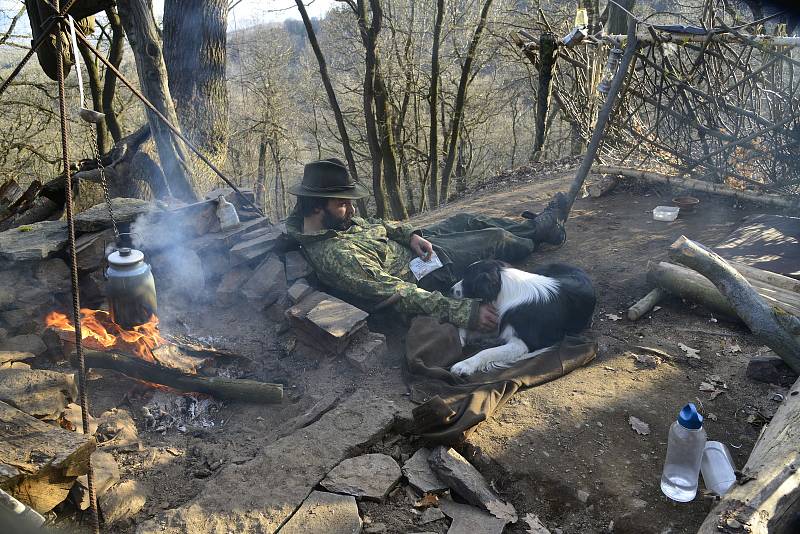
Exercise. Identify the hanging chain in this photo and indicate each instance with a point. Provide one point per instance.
(103, 182)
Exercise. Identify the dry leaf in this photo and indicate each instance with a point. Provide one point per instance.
(427, 500)
(712, 416)
(639, 426)
(535, 526)
(690, 352)
(716, 393)
(646, 360)
(613, 317)
(707, 386)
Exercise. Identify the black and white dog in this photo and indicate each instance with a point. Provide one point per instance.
(535, 310)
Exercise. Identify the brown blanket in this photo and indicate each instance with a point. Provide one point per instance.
(451, 406)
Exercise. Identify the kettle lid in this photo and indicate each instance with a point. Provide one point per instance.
(125, 256)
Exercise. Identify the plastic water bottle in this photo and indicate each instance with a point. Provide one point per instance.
(685, 444)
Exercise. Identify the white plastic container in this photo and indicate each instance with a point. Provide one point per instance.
(665, 213)
(717, 468)
(226, 213)
(685, 444)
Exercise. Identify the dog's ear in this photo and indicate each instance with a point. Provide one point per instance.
(487, 286)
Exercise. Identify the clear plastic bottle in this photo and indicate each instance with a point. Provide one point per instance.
(685, 444)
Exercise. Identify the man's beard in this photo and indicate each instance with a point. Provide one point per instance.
(331, 222)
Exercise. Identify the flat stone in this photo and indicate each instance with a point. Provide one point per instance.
(292, 465)
(228, 291)
(93, 248)
(470, 520)
(583, 496)
(454, 470)
(7, 357)
(336, 322)
(123, 502)
(35, 241)
(325, 513)
(54, 275)
(25, 343)
(420, 475)
(297, 266)
(105, 471)
(300, 290)
(20, 321)
(96, 218)
(430, 515)
(369, 477)
(267, 283)
(364, 353)
(227, 238)
(117, 431)
(39, 393)
(253, 249)
(72, 419)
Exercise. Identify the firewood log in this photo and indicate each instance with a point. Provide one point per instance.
(221, 388)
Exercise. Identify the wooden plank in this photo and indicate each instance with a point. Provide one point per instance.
(39, 462)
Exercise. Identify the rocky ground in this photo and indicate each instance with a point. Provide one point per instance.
(564, 451)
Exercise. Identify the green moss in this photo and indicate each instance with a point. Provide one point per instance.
(26, 228)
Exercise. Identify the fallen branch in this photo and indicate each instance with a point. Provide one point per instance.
(749, 306)
(688, 284)
(645, 304)
(221, 388)
(768, 503)
(698, 185)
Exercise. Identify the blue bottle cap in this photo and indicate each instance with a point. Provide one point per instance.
(689, 418)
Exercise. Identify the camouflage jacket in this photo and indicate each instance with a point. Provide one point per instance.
(370, 261)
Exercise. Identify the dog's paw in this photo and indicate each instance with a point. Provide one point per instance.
(464, 368)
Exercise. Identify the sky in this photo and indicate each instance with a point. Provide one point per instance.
(246, 12)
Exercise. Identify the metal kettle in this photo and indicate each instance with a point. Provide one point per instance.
(130, 288)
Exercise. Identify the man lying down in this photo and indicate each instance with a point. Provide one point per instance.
(417, 270)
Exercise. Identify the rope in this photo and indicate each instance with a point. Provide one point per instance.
(76, 304)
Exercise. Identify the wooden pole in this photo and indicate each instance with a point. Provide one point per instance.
(698, 185)
(221, 388)
(605, 114)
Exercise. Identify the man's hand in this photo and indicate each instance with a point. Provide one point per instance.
(487, 318)
(421, 247)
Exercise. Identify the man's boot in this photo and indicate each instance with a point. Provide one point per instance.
(550, 222)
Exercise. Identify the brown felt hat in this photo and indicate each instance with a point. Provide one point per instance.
(328, 178)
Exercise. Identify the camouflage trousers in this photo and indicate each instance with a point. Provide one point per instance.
(466, 238)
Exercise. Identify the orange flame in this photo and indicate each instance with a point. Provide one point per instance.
(100, 332)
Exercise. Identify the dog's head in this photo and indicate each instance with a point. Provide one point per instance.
(482, 280)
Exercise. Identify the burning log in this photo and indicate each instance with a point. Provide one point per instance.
(221, 388)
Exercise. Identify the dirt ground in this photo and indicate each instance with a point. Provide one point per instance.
(564, 451)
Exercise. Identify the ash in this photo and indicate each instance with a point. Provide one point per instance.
(166, 410)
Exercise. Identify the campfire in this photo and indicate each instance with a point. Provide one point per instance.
(100, 332)
(146, 354)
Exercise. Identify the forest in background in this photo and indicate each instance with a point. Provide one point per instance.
(432, 97)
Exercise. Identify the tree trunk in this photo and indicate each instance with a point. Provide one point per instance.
(369, 38)
(261, 190)
(332, 100)
(383, 110)
(433, 94)
(461, 97)
(140, 27)
(103, 141)
(547, 52)
(194, 53)
(115, 53)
